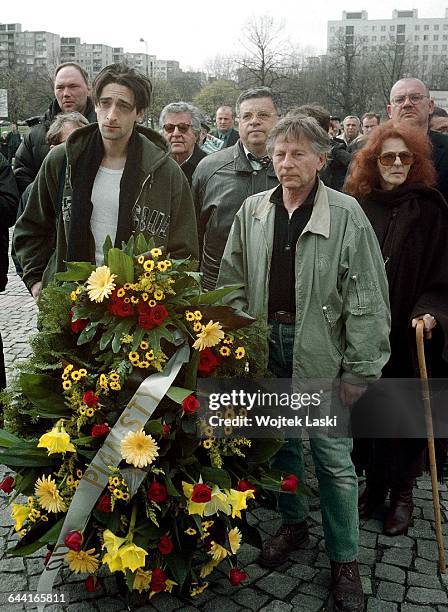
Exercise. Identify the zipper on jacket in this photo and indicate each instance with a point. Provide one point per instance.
(354, 278)
(141, 188)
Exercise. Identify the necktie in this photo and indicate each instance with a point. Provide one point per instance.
(264, 161)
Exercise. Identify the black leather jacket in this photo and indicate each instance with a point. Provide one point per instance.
(221, 183)
(9, 200)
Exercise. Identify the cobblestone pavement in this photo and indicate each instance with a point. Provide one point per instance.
(398, 574)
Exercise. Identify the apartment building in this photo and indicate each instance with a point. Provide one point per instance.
(31, 50)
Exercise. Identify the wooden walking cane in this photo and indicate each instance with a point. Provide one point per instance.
(430, 437)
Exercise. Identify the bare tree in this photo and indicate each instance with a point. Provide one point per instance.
(222, 67)
(391, 62)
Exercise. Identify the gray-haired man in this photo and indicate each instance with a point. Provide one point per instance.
(300, 253)
(181, 126)
(223, 180)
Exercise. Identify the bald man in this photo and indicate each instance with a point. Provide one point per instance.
(224, 127)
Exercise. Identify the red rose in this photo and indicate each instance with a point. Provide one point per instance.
(190, 404)
(158, 580)
(159, 313)
(145, 321)
(166, 430)
(120, 308)
(74, 540)
(7, 484)
(165, 545)
(90, 399)
(201, 493)
(78, 325)
(245, 485)
(143, 308)
(290, 483)
(208, 362)
(99, 431)
(157, 492)
(104, 504)
(236, 576)
(92, 584)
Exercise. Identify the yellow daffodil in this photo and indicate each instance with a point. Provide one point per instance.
(138, 448)
(82, 561)
(235, 539)
(238, 500)
(48, 495)
(132, 556)
(113, 561)
(218, 502)
(210, 335)
(142, 580)
(100, 284)
(57, 440)
(19, 515)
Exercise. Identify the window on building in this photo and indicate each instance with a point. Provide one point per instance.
(373, 38)
(416, 37)
(425, 36)
(383, 38)
(417, 27)
(383, 28)
(445, 37)
(435, 47)
(425, 48)
(445, 26)
(426, 27)
(392, 28)
(436, 27)
(373, 28)
(401, 28)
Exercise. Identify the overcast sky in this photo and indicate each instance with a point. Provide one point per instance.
(191, 31)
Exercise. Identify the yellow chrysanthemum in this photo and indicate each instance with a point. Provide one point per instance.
(48, 495)
(134, 300)
(152, 303)
(207, 443)
(197, 315)
(100, 284)
(158, 294)
(148, 265)
(235, 539)
(138, 448)
(162, 267)
(217, 552)
(190, 531)
(144, 345)
(57, 440)
(156, 252)
(115, 386)
(210, 335)
(189, 315)
(133, 356)
(142, 580)
(114, 376)
(240, 352)
(82, 561)
(90, 412)
(75, 375)
(143, 364)
(82, 372)
(149, 355)
(197, 326)
(224, 351)
(19, 515)
(66, 385)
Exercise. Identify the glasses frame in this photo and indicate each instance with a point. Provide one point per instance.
(398, 154)
(409, 97)
(182, 127)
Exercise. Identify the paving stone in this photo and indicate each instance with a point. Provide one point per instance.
(423, 580)
(372, 525)
(366, 555)
(81, 607)
(322, 561)
(422, 494)
(367, 539)
(390, 591)
(426, 567)
(34, 566)
(366, 582)
(426, 596)
(12, 564)
(277, 606)
(165, 602)
(323, 578)
(304, 556)
(396, 542)
(247, 554)
(223, 604)
(377, 605)
(390, 573)
(276, 584)
(306, 603)
(399, 556)
(411, 608)
(314, 590)
(11, 583)
(427, 549)
(364, 570)
(254, 572)
(7, 607)
(304, 572)
(270, 527)
(250, 598)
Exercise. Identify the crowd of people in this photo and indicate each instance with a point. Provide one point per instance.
(336, 235)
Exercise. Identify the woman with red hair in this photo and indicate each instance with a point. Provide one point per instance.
(392, 177)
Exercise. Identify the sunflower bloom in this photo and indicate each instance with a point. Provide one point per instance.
(48, 495)
(235, 539)
(57, 440)
(139, 449)
(82, 561)
(100, 284)
(210, 335)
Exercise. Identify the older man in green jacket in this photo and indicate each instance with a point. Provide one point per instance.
(309, 263)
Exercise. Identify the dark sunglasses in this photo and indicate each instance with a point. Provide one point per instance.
(182, 127)
(388, 159)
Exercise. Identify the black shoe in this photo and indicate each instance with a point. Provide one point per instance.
(346, 588)
(287, 539)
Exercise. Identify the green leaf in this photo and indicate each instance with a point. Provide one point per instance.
(107, 246)
(154, 427)
(179, 567)
(25, 482)
(128, 247)
(26, 457)
(49, 537)
(137, 337)
(177, 394)
(217, 476)
(106, 338)
(212, 297)
(122, 265)
(122, 328)
(45, 393)
(141, 246)
(8, 439)
(87, 333)
(76, 271)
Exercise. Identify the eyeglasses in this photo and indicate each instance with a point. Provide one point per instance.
(182, 127)
(260, 115)
(388, 159)
(414, 98)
